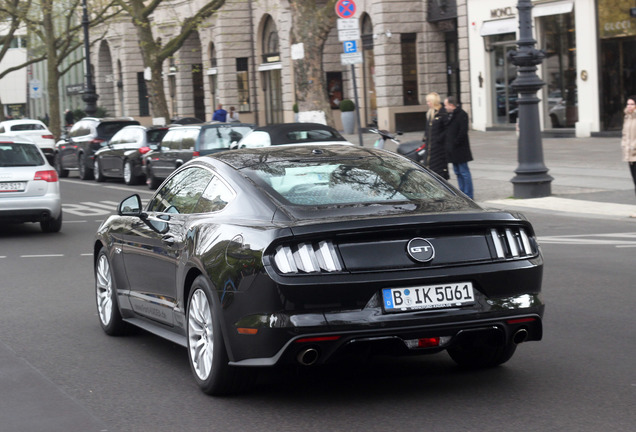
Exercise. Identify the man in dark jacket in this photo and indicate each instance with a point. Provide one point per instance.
(457, 145)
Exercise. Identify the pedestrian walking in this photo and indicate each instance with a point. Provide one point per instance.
(220, 114)
(628, 141)
(69, 119)
(435, 158)
(457, 145)
(233, 115)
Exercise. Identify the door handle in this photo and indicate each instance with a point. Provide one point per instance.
(169, 240)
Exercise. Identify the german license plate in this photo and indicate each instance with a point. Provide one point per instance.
(428, 297)
(12, 186)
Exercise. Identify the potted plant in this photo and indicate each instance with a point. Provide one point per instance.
(347, 114)
(295, 108)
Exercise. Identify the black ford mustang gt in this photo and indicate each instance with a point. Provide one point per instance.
(259, 257)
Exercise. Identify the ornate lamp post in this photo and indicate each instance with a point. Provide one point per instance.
(532, 179)
(88, 96)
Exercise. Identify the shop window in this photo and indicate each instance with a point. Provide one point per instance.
(334, 88)
(559, 44)
(142, 94)
(242, 84)
(409, 68)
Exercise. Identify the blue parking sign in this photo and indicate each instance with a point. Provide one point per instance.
(350, 46)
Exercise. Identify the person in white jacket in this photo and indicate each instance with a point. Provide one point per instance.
(628, 141)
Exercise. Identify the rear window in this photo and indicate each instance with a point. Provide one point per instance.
(362, 180)
(15, 155)
(27, 127)
(221, 137)
(107, 129)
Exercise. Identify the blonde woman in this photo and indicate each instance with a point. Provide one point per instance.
(628, 142)
(434, 130)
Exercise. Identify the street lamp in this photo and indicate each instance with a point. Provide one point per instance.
(532, 179)
(88, 95)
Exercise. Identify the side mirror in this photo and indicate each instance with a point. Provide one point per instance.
(130, 206)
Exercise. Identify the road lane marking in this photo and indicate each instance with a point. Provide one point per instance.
(42, 256)
(622, 240)
(109, 205)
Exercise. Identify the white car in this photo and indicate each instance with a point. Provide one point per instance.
(29, 185)
(290, 134)
(35, 130)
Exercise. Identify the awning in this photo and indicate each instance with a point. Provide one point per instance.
(269, 66)
(489, 28)
(555, 8)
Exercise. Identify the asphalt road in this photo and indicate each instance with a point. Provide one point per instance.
(60, 372)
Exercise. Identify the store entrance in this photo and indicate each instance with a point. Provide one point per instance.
(618, 70)
(504, 98)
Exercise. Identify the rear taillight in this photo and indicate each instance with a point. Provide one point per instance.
(48, 137)
(513, 243)
(420, 148)
(47, 176)
(307, 258)
(196, 154)
(144, 150)
(96, 143)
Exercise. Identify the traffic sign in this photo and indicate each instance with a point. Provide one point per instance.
(350, 46)
(351, 58)
(347, 35)
(35, 87)
(347, 24)
(345, 8)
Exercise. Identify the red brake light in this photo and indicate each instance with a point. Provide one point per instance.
(144, 150)
(420, 148)
(318, 339)
(47, 176)
(428, 342)
(196, 154)
(48, 137)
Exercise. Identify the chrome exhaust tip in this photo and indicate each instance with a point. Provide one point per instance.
(520, 336)
(308, 356)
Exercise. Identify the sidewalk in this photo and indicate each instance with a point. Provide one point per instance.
(589, 175)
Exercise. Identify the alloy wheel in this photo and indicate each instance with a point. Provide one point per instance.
(200, 334)
(104, 287)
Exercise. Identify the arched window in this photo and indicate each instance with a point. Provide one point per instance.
(271, 49)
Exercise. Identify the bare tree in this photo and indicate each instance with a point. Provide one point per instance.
(156, 50)
(312, 20)
(57, 27)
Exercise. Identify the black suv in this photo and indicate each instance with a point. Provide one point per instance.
(182, 143)
(76, 150)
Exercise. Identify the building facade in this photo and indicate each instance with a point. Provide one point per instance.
(242, 57)
(588, 71)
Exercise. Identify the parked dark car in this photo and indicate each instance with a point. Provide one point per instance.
(303, 254)
(121, 158)
(77, 149)
(292, 133)
(182, 143)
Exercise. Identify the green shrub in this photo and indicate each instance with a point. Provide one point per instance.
(347, 105)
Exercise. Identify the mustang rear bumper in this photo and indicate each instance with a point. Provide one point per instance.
(398, 334)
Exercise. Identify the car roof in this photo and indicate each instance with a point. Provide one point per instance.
(279, 132)
(15, 138)
(246, 157)
(22, 121)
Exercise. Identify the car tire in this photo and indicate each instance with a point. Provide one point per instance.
(479, 355)
(206, 348)
(57, 163)
(97, 170)
(129, 174)
(52, 225)
(84, 172)
(106, 297)
(153, 182)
